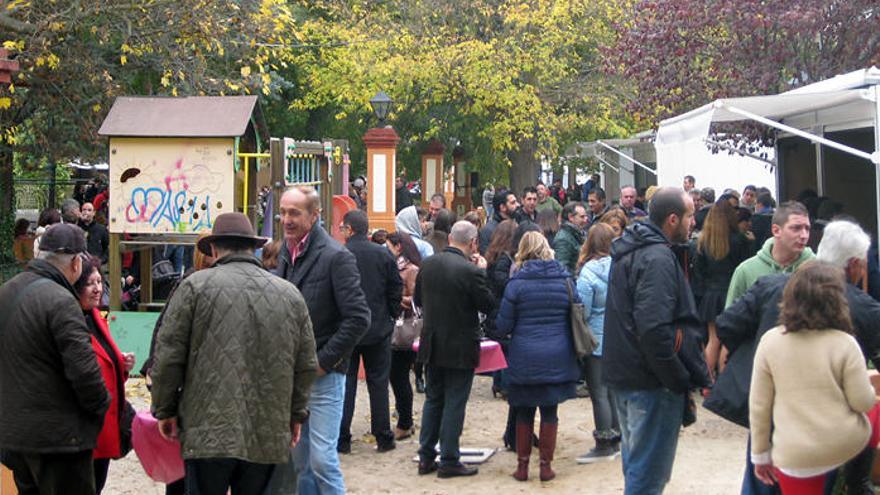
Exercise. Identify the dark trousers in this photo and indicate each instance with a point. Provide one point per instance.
(217, 476)
(401, 365)
(101, 466)
(176, 488)
(51, 474)
(527, 414)
(446, 395)
(604, 413)
(377, 366)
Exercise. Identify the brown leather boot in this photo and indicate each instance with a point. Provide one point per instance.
(524, 432)
(546, 447)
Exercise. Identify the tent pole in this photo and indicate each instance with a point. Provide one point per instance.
(627, 157)
(876, 152)
(606, 164)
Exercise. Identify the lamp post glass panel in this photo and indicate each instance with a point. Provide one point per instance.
(381, 105)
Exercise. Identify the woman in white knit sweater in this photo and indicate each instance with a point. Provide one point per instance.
(810, 389)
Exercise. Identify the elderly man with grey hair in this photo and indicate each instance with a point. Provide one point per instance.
(70, 211)
(844, 245)
(52, 395)
(451, 289)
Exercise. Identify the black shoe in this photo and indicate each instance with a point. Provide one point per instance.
(427, 467)
(420, 385)
(343, 447)
(385, 447)
(455, 471)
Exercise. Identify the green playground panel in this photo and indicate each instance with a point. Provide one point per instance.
(132, 331)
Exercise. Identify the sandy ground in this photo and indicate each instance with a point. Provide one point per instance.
(710, 459)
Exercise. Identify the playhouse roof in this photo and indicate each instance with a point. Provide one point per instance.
(192, 116)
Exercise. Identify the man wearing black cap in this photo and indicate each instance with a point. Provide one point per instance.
(52, 395)
(238, 341)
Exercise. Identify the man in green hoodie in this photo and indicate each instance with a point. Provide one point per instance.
(782, 253)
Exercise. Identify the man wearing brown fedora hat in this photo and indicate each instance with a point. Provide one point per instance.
(238, 342)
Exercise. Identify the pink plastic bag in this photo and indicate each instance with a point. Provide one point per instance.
(160, 458)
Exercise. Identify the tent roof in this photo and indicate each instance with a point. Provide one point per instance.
(851, 80)
(194, 116)
(800, 110)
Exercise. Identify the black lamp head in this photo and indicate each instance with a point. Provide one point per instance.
(381, 105)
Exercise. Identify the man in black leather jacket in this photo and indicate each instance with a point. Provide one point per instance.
(52, 395)
(742, 325)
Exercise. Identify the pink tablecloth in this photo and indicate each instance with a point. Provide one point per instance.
(491, 356)
(160, 458)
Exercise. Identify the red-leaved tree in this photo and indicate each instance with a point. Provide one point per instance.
(680, 54)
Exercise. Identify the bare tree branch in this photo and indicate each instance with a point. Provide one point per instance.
(16, 26)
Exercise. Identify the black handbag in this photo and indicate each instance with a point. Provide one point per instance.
(690, 352)
(584, 340)
(128, 414)
(729, 397)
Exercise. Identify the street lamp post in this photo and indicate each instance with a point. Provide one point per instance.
(381, 143)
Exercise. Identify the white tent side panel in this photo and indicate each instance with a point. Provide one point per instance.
(716, 170)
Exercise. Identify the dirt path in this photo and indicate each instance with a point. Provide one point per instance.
(710, 459)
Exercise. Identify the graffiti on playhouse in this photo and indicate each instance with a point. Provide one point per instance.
(183, 186)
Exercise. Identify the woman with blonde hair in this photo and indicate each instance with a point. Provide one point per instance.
(616, 219)
(592, 286)
(542, 366)
(720, 249)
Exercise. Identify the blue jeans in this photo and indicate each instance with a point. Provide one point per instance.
(649, 424)
(446, 395)
(315, 457)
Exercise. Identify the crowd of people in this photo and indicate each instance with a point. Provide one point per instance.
(255, 358)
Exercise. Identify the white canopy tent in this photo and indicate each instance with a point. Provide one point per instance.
(849, 101)
(788, 112)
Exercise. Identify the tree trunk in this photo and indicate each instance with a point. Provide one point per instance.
(7, 202)
(525, 166)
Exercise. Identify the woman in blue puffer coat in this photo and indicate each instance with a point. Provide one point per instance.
(542, 366)
(592, 286)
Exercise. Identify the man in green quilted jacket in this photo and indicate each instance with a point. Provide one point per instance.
(235, 361)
